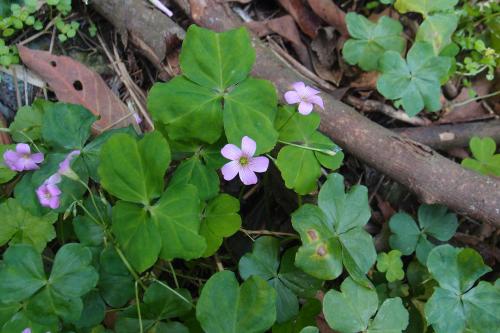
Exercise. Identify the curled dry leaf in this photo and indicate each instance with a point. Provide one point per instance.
(75, 83)
(325, 55)
(330, 13)
(308, 22)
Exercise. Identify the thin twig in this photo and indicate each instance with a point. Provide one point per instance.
(268, 232)
(477, 98)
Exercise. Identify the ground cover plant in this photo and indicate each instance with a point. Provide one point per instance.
(124, 231)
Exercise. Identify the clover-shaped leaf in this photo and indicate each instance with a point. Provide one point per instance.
(332, 234)
(485, 160)
(433, 220)
(350, 310)
(226, 307)
(22, 278)
(370, 40)
(160, 306)
(19, 226)
(468, 308)
(300, 167)
(437, 30)
(391, 264)
(416, 81)
(424, 7)
(215, 90)
(220, 219)
(284, 276)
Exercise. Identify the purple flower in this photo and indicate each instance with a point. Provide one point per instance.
(48, 195)
(22, 159)
(305, 96)
(162, 7)
(137, 118)
(26, 330)
(65, 165)
(243, 162)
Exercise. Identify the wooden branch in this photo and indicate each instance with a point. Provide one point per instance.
(453, 135)
(431, 176)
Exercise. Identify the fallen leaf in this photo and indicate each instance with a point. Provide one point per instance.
(325, 55)
(285, 27)
(75, 83)
(366, 80)
(330, 13)
(308, 22)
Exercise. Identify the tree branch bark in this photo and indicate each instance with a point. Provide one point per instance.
(434, 178)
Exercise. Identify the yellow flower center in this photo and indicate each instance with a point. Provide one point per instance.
(244, 161)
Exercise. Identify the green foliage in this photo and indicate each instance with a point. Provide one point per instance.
(332, 233)
(424, 7)
(433, 220)
(226, 307)
(300, 161)
(469, 308)
(369, 41)
(391, 264)
(282, 275)
(485, 160)
(193, 171)
(215, 90)
(350, 310)
(437, 30)
(415, 83)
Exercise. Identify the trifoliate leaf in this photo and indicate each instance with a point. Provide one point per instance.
(287, 280)
(485, 160)
(370, 40)
(391, 264)
(19, 226)
(469, 308)
(433, 220)
(416, 81)
(437, 30)
(193, 171)
(133, 170)
(350, 310)
(220, 219)
(226, 307)
(424, 7)
(332, 234)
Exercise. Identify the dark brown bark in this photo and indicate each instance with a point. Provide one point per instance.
(452, 136)
(431, 176)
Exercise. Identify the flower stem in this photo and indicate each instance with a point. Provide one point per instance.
(138, 305)
(173, 273)
(477, 98)
(324, 151)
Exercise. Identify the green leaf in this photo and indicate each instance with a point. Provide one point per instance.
(309, 329)
(351, 309)
(67, 126)
(485, 161)
(437, 30)
(220, 219)
(250, 109)
(416, 81)
(93, 312)
(424, 7)
(434, 221)
(226, 58)
(264, 261)
(226, 307)
(306, 317)
(392, 265)
(332, 234)
(186, 108)
(133, 170)
(369, 41)
(19, 226)
(6, 174)
(299, 168)
(193, 171)
(116, 285)
(469, 308)
(294, 127)
(89, 233)
(28, 120)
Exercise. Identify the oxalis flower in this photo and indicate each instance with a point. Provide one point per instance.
(305, 96)
(26, 330)
(22, 159)
(243, 162)
(65, 165)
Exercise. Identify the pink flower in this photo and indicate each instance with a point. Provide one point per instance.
(26, 330)
(162, 7)
(48, 195)
(305, 96)
(65, 165)
(22, 159)
(243, 162)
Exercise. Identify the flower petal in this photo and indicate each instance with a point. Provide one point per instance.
(54, 202)
(230, 170)
(299, 87)
(29, 164)
(259, 164)
(37, 157)
(53, 189)
(292, 97)
(247, 176)
(310, 91)
(23, 148)
(305, 108)
(248, 146)
(231, 152)
(54, 179)
(317, 100)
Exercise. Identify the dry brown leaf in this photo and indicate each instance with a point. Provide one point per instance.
(308, 22)
(75, 83)
(330, 13)
(366, 80)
